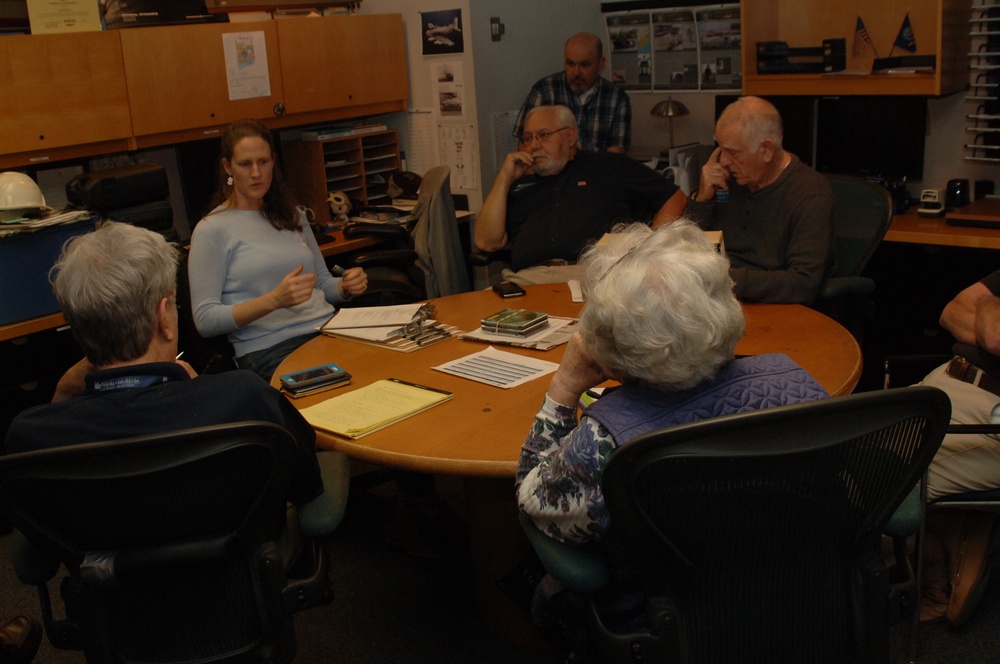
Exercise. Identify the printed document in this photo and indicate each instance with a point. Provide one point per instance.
(373, 407)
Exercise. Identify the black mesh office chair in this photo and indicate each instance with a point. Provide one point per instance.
(862, 212)
(757, 536)
(170, 543)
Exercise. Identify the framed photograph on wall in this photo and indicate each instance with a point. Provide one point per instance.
(442, 32)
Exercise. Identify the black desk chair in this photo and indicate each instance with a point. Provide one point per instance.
(758, 536)
(170, 542)
(426, 259)
(862, 212)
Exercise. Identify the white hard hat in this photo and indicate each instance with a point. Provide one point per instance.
(18, 192)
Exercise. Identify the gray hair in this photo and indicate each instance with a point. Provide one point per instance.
(757, 118)
(109, 283)
(660, 306)
(564, 116)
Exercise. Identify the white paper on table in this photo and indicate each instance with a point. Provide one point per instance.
(498, 368)
(367, 317)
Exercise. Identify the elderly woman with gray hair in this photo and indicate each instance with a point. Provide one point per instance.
(661, 319)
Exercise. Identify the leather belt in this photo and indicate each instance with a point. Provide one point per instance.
(557, 262)
(960, 369)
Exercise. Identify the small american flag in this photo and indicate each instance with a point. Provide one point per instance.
(861, 38)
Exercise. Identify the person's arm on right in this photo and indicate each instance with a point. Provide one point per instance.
(973, 317)
(491, 221)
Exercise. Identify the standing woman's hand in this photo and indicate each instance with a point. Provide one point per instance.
(354, 282)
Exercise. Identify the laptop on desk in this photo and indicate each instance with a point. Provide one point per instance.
(984, 213)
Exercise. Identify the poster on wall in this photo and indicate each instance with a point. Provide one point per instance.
(442, 32)
(246, 65)
(631, 47)
(449, 85)
(720, 43)
(675, 49)
(690, 48)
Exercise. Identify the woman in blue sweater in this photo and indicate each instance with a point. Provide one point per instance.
(256, 271)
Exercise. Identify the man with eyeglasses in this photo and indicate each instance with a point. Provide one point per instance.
(773, 210)
(602, 110)
(550, 199)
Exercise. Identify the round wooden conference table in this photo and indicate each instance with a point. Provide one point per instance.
(479, 432)
(477, 435)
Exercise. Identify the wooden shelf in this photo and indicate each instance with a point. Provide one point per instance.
(367, 155)
(940, 28)
(82, 94)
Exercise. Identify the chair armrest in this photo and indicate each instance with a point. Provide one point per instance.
(484, 258)
(581, 568)
(384, 231)
(33, 564)
(906, 519)
(836, 286)
(314, 587)
(397, 258)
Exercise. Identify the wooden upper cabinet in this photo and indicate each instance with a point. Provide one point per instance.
(62, 90)
(339, 62)
(940, 28)
(178, 80)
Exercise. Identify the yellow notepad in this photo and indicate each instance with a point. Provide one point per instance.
(373, 407)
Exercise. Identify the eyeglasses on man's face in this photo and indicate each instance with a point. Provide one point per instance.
(543, 136)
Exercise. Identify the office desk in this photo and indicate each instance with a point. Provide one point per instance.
(478, 434)
(914, 229)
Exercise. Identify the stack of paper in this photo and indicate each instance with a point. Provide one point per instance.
(373, 407)
(558, 331)
(405, 327)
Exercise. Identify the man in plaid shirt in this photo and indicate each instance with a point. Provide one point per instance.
(603, 112)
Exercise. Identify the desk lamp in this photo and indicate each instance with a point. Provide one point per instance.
(669, 108)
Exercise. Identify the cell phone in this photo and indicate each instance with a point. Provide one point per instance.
(325, 373)
(508, 289)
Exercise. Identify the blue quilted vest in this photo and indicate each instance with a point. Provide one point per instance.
(749, 383)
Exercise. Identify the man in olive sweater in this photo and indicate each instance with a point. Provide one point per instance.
(773, 210)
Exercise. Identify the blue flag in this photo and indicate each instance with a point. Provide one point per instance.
(905, 39)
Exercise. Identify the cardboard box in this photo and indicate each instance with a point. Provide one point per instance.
(25, 261)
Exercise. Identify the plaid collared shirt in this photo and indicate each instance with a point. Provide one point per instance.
(604, 121)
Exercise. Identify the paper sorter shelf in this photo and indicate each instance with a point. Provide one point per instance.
(373, 407)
